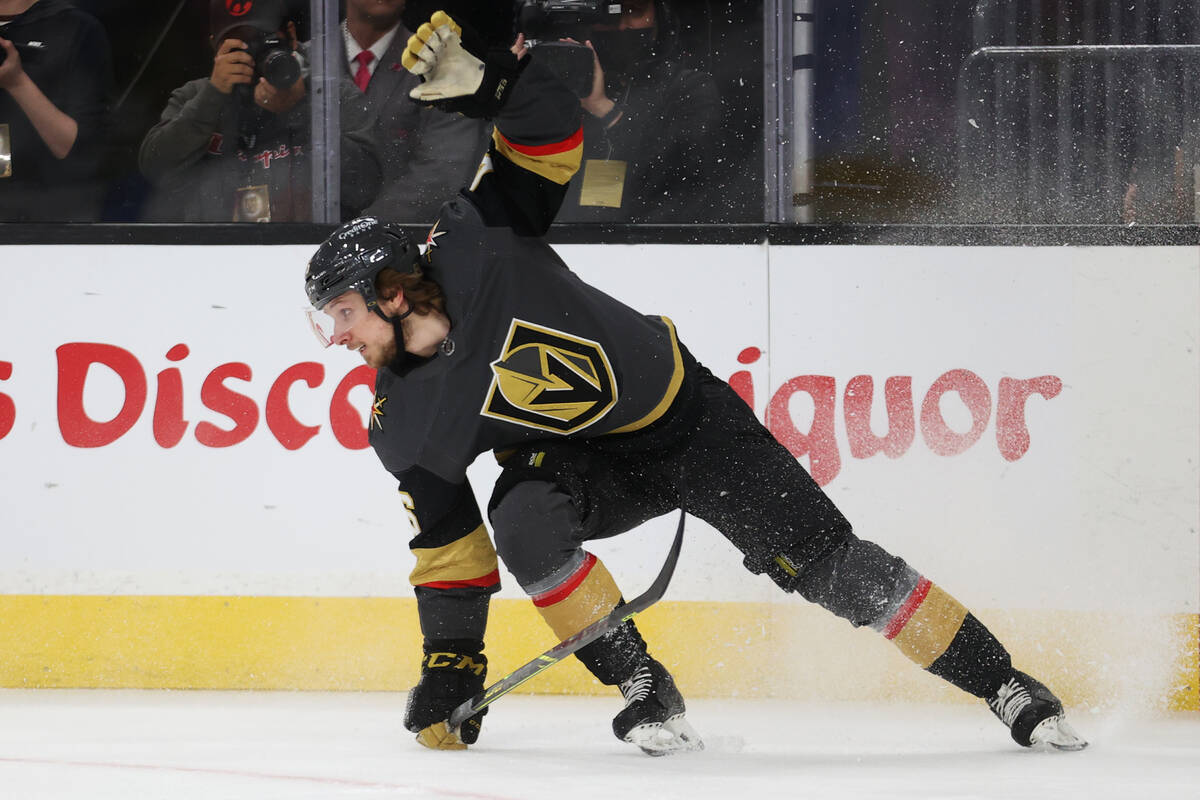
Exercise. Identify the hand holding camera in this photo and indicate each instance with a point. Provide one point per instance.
(233, 65)
(275, 99)
(263, 69)
(555, 28)
(596, 102)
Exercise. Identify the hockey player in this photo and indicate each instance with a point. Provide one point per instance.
(600, 418)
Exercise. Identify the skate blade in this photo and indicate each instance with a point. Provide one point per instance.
(676, 735)
(1055, 733)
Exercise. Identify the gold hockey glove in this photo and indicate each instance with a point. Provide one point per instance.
(458, 72)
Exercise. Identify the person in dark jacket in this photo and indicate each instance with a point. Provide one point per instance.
(601, 419)
(235, 147)
(651, 130)
(425, 153)
(55, 80)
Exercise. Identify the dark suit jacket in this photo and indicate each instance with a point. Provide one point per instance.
(427, 155)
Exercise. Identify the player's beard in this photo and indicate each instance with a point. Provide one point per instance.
(380, 359)
(391, 353)
(384, 354)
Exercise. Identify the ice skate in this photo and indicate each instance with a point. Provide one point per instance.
(1034, 715)
(653, 715)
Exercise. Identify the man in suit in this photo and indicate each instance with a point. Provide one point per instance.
(426, 155)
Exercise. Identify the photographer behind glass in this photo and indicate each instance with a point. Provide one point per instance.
(234, 147)
(649, 130)
(55, 76)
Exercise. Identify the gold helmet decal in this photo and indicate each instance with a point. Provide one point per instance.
(550, 380)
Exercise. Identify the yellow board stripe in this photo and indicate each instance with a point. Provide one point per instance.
(931, 628)
(672, 387)
(465, 559)
(557, 167)
(753, 650)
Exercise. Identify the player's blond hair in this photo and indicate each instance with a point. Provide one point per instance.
(423, 294)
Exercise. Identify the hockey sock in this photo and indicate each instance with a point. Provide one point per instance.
(582, 597)
(975, 661)
(938, 633)
(615, 656)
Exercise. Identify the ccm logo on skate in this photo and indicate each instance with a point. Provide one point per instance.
(820, 441)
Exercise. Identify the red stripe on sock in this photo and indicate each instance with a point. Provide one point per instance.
(570, 143)
(901, 618)
(564, 589)
(491, 579)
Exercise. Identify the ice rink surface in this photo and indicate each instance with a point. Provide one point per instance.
(151, 745)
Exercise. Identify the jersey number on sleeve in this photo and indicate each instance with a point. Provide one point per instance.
(410, 509)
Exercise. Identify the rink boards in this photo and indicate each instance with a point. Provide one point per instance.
(186, 503)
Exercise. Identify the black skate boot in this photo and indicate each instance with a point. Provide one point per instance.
(1033, 714)
(653, 714)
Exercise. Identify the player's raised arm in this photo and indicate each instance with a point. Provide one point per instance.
(538, 139)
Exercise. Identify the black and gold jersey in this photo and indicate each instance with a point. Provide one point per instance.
(533, 352)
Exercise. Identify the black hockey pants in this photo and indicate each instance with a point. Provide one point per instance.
(728, 470)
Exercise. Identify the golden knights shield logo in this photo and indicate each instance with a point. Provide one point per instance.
(550, 380)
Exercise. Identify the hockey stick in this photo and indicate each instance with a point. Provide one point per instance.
(572, 643)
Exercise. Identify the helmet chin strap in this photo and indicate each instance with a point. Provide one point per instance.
(403, 358)
(403, 314)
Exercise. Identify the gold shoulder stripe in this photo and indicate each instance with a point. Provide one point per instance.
(465, 559)
(672, 387)
(554, 166)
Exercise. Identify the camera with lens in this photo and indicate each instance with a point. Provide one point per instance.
(545, 22)
(28, 51)
(541, 18)
(274, 60)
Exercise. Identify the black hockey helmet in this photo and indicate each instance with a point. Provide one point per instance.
(353, 255)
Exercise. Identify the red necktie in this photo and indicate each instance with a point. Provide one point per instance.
(363, 76)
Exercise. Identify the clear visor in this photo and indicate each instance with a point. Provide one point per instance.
(336, 319)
